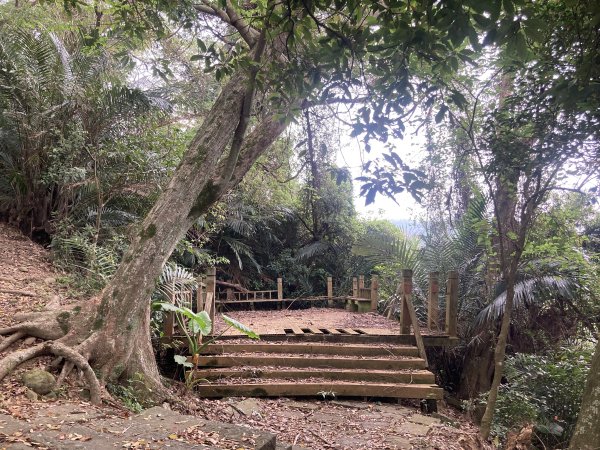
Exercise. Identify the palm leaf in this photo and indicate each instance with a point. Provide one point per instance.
(533, 291)
(311, 250)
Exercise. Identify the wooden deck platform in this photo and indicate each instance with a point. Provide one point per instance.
(351, 352)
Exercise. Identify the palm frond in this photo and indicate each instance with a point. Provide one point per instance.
(311, 250)
(533, 291)
(175, 283)
(240, 250)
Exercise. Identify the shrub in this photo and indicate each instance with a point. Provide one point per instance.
(544, 390)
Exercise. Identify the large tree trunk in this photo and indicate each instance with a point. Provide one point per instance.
(111, 332)
(587, 430)
(478, 369)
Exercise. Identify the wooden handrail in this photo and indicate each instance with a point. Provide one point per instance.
(408, 315)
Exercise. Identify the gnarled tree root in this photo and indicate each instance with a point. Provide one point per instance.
(76, 343)
(13, 360)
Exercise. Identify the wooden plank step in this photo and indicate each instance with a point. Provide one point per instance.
(370, 337)
(347, 331)
(296, 330)
(340, 389)
(322, 362)
(312, 349)
(376, 376)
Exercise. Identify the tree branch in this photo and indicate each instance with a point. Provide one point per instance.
(240, 131)
(231, 17)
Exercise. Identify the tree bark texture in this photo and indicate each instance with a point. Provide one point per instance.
(587, 430)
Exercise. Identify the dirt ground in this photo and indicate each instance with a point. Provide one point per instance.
(28, 282)
(273, 321)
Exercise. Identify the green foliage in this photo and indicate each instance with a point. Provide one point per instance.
(387, 250)
(544, 390)
(126, 393)
(89, 264)
(196, 325)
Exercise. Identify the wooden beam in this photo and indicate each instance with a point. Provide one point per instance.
(407, 274)
(433, 306)
(451, 303)
(374, 293)
(312, 349)
(316, 362)
(232, 285)
(375, 376)
(405, 297)
(211, 288)
(297, 330)
(339, 389)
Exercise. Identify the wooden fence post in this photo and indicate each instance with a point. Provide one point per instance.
(405, 296)
(433, 306)
(451, 303)
(211, 287)
(199, 295)
(330, 292)
(374, 292)
(280, 293)
(349, 303)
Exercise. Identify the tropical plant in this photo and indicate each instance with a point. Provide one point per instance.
(66, 111)
(196, 325)
(543, 390)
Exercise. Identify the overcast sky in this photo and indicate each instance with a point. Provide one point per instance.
(351, 154)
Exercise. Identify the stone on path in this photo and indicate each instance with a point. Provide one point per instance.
(415, 429)
(39, 381)
(398, 443)
(79, 426)
(248, 406)
(423, 420)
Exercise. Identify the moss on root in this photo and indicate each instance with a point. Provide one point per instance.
(148, 233)
(63, 321)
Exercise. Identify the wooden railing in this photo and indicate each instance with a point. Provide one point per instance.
(249, 296)
(433, 307)
(364, 298)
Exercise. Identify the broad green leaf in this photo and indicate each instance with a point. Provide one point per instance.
(240, 327)
(168, 307)
(182, 360)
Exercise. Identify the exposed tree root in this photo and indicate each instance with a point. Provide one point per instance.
(15, 359)
(69, 335)
(70, 355)
(64, 373)
(11, 340)
(14, 292)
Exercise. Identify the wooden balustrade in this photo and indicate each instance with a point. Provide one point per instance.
(364, 298)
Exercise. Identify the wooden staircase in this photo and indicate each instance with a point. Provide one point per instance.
(314, 369)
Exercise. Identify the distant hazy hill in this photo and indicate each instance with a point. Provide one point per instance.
(410, 226)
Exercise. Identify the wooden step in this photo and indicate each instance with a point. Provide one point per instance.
(312, 349)
(339, 389)
(376, 376)
(317, 362)
(368, 338)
